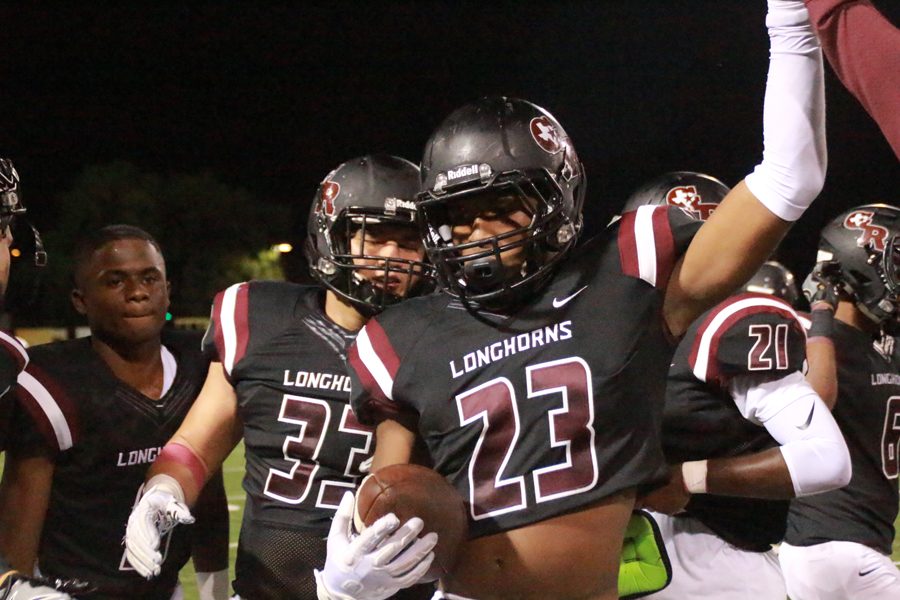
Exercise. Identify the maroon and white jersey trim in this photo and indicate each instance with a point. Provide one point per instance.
(34, 392)
(232, 334)
(375, 360)
(15, 349)
(646, 245)
(717, 324)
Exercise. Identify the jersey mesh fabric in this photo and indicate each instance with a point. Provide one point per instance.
(867, 410)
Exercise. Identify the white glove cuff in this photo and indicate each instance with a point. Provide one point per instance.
(164, 483)
(322, 591)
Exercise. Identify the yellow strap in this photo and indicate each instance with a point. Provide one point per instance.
(6, 575)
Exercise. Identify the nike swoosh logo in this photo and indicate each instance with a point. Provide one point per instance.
(864, 573)
(560, 303)
(809, 418)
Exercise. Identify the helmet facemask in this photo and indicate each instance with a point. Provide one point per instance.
(12, 212)
(370, 282)
(886, 309)
(497, 269)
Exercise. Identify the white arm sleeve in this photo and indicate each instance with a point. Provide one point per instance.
(792, 171)
(811, 441)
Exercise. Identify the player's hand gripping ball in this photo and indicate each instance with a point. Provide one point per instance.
(415, 491)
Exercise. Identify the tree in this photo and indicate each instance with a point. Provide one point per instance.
(211, 233)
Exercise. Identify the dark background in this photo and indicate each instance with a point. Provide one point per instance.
(270, 97)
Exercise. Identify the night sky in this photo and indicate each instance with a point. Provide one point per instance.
(271, 97)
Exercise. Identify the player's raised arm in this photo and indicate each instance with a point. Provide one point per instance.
(749, 223)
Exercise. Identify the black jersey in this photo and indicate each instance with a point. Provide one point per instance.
(747, 334)
(13, 359)
(106, 436)
(549, 409)
(867, 410)
(303, 444)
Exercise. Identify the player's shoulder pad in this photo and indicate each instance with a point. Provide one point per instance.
(44, 389)
(232, 317)
(651, 239)
(13, 359)
(747, 334)
(375, 357)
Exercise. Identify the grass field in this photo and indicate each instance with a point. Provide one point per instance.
(233, 472)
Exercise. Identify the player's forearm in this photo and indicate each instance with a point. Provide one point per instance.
(752, 219)
(180, 461)
(24, 499)
(792, 171)
(736, 239)
(393, 444)
(759, 475)
(822, 373)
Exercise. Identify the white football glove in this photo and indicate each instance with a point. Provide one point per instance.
(378, 562)
(160, 509)
(15, 586)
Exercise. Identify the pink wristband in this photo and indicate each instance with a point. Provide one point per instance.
(182, 454)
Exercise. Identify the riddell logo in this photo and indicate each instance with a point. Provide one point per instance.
(462, 171)
(872, 235)
(689, 200)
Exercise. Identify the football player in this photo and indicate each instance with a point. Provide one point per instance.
(546, 364)
(278, 380)
(13, 358)
(108, 402)
(839, 544)
(744, 433)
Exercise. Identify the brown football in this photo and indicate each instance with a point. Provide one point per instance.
(415, 491)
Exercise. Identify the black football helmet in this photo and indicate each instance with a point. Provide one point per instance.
(862, 249)
(695, 193)
(10, 202)
(499, 150)
(11, 207)
(362, 192)
(774, 279)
